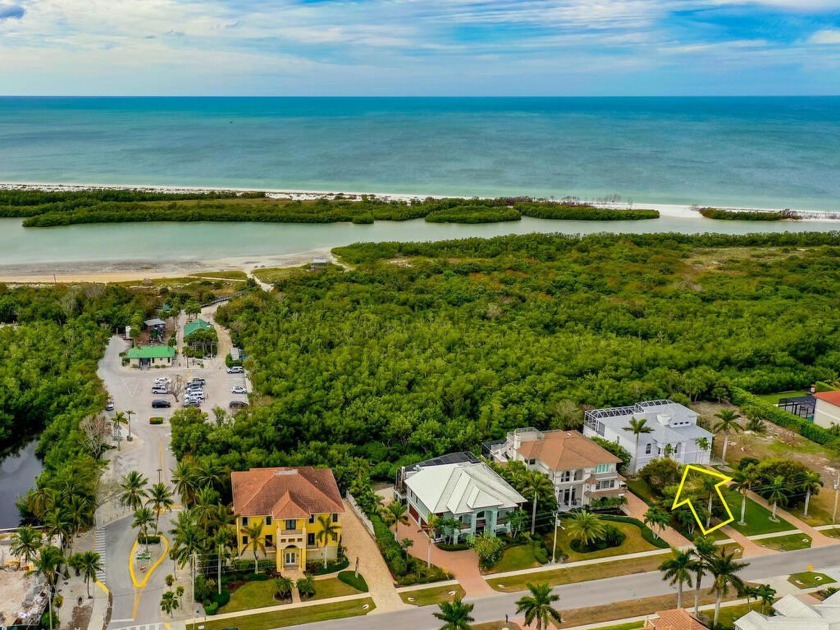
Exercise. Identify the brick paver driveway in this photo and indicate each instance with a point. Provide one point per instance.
(359, 544)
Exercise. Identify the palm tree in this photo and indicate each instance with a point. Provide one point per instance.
(678, 569)
(728, 422)
(709, 485)
(704, 548)
(160, 498)
(811, 484)
(169, 603)
(133, 490)
(455, 615)
(637, 427)
(329, 531)
(451, 527)
(118, 420)
(40, 501)
(47, 564)
(208, 474)
(777, 492)
(517, 520)
(143, 517)
(56, 524)
(206, 500)
(766, 594)
(586, 527)
(89, 564)
(657, 519)
(396, 513)
(432, 527)
(224, 540)
(724, 569)
(538, 605)
(25, 543)
(128, 414)
(184, 477)
(743, 481)
(535, 484)
(78, 513)
(283, 587)
(703, 443)
(255, 540)
(188, 539)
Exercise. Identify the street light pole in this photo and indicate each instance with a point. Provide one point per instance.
(554, 546)
(836, 496)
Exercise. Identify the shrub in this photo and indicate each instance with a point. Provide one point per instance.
(647, 533)
(306, 587)
(211, 608)
(350, 578)
(150, 540)
(660, 472)
(488, 548)
(244, 565)
(448, 547)
(156, 420)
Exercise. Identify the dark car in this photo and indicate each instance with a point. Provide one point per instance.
(237, 404)
(161, 404)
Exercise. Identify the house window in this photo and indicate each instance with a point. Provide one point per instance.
(677, 448)
(531, 462)
(335, 518)
(606, 484)
(244, 521)
(310, 540)
(602, 468)
(291, 523)
(269, 541)
(311, 518)
(648, 449)
(268, 520)
(244, 540)
(566, 475)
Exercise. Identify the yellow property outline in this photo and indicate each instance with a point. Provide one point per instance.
(713, 473)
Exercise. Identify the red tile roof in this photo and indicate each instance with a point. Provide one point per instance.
(677, 619)
(832, 398)
(285, 492)
(566, 450)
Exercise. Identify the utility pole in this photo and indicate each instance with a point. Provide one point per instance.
(554, 546)
(836, 496)
(219, 564)
(129, 414)
(192, 585)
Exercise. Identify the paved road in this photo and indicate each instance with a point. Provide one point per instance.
(585, 594)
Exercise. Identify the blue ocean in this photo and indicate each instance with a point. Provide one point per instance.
(747, 152)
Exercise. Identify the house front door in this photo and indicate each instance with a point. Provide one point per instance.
(290, 558)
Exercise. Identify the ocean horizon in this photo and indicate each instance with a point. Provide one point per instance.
(780, 152)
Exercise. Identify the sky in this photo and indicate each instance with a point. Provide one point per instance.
(419, 47)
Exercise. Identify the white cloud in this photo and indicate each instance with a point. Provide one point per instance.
(826, 36)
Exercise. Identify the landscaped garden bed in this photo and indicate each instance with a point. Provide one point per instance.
(791, 542)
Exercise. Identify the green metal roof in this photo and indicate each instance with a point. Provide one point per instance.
(152, 352)
(195, 326)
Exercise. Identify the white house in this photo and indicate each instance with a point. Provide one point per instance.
(460, 486)
(580, 469)
(827, 410)
(674, 432)
(793, 614)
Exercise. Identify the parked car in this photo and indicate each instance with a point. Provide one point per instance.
(163, 379)
(160, 390)
(236, 369)
(195, 395)
(109, 406)
(189, 402)
(197, 381)
(237, 404)
(159, 403)
(238, 389)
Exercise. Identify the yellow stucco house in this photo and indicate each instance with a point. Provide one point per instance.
(291, 504)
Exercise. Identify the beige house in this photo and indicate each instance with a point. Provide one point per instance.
(827, 409)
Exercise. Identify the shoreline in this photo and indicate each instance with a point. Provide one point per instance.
(665, 209)
(117, 271)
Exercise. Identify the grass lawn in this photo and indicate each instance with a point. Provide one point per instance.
(773, 399)
(252, 595)
(728, 614)
(293, 616)
(809, 579)
(834, 532)
(273, 274)
(434, 595)
(757, 517)
(333, 587)
(633, 543)
(791, 542)
(496, 625)
(641, 489)
(556, 577)
(222, 275)
(515, 558)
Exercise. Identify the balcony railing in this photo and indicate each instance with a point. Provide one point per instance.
(291, 532)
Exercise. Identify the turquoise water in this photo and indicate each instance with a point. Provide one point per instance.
(776, 152)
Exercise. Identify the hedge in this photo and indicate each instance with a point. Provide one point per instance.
(156, 420)
(317, 567)
(786, 420)
(448, 547)
(349, 578)
(148, 540)
(244, 565)
(647, 532)
(406, 570)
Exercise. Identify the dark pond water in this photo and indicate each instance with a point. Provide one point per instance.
(18, 470)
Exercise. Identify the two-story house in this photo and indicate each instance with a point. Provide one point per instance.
(291, 504)
(580, 469)
(458, 486)
(673, 432)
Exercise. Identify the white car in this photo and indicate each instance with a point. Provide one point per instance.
(238, 389)
(163, 379)
(236, 369)
(160, 390)
(195, 395)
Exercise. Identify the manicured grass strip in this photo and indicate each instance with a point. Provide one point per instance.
(757, 517)
(809, 579)
(556, 577)
(252, 595)
(434, 595)
(834, 532)
(634, 542)
(791, 542)
(333, 587)
(351, 579)
(292, 616)
(516, 558)
(641, 489)
(636, 608)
